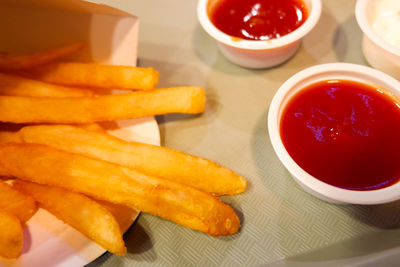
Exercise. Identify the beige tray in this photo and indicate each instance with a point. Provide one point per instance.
(282, 224)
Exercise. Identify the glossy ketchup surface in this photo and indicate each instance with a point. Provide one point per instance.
(258, 19)
(344, 133)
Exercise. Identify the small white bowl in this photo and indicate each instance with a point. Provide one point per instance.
(295, 84)
(379, 53)
(258, 54)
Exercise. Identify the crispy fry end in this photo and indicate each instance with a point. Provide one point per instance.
(11, 235)
(80, 212)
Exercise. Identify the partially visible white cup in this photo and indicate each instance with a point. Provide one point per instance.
(258, 54)
(379, 53)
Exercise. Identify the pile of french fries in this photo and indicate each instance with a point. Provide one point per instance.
(61, 160)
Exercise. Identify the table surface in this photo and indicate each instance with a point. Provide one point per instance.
(281, 224)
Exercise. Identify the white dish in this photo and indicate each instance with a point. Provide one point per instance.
(308, 182)
(50, 242)
(377, 51)
(258, 54)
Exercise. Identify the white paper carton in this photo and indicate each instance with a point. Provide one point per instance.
(28, 25)
(112, 38)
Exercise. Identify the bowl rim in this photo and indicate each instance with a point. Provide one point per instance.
(332, 193)
(288, 39)
(366, 28)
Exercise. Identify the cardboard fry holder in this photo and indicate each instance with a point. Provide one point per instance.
(111, 37)
(33, 25)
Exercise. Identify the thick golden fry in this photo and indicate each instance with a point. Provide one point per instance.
(16, 203)
(153, 160)
(10, 61)
(13, 85)
(20, 109)
(97, 75)
(11, 236)
(106, 181)
(10, 137)
(4, 173)
(82, 213)
(94, 127)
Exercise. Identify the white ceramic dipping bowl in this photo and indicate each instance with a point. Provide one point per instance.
(295, 84)
(258, 54)
(379, 53)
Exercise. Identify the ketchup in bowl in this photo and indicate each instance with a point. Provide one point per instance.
(344, 133)
(258, 19)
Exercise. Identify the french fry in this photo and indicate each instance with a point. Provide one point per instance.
(10, 61)
(16, 203)
(181, 204)
(4, 173)
(153, 160)
(13, 85)
(94, 127)
(19, 109)
(96, 75)
(82, 213)
(10, 137)
(11, 235)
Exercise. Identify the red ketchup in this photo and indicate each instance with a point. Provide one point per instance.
(344, 133)
(258, 19)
